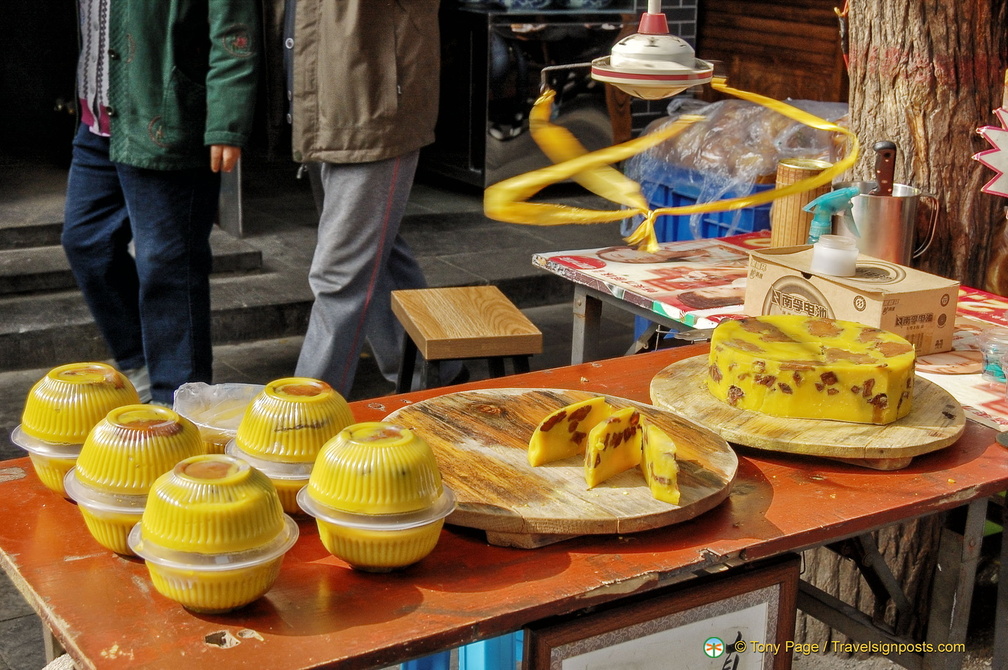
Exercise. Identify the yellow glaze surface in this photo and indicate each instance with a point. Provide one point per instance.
(110, 529)
(134, 445)
(291, 419)
(51, 471)
(802, 367)
(658, 464)
(380, 550)
(214, 592)
(376, 468)
(212, 504)
(614, 446)
(562, 434)
(69, 400)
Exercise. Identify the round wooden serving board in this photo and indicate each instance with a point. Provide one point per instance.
(481, 440)
(936, 421)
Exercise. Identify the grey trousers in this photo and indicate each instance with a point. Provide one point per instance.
(360, 257)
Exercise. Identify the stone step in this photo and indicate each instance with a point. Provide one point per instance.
(54, 328)
(36, 269)
(27, 234)
(49, 329)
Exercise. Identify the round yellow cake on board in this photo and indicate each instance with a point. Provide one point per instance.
(813, 368)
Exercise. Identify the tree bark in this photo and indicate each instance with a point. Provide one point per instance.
(924, 74)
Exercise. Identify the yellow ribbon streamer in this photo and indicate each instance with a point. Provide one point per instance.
(506, 200)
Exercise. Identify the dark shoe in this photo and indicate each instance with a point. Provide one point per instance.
(461, 378)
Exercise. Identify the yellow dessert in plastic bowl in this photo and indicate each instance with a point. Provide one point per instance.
(216, 409)
(69, 400)
(377, 496)
(213, 534)
(50, 460)
(119, 462)
(285, 427)
(108, 517)
(290, 420)
(60, 411)
(133, 446)
(287, 478)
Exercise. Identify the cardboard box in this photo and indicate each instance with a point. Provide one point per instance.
(916, 305)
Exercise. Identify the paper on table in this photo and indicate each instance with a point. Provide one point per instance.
(695, 282)
(958, 371)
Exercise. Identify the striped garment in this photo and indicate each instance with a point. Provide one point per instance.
(92, 67)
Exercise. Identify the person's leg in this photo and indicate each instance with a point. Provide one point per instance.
(96, 236)
(172, 214)
(364, 204)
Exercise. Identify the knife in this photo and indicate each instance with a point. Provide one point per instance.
(885, 167)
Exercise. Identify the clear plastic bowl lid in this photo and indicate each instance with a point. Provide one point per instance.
(441, 508)
(100, 501)
(170, 558)
(34, 445)
(272, 469)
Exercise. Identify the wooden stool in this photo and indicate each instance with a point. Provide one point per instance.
(461, 322)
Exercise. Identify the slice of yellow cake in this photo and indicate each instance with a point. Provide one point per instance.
(658, 463)
(562, 434)
(804, 367)
(614, 445)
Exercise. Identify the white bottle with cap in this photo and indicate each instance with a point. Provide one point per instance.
(835, 255)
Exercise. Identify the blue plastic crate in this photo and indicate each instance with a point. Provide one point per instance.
(673, 186)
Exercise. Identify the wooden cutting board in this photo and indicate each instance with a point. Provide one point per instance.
(936, 421)
(481, 440)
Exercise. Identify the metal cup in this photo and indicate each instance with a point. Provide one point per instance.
(887, 223)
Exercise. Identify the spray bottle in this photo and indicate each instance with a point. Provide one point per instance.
(826, 206)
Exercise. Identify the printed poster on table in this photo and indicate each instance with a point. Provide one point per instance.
(696, 282)
(960, 371)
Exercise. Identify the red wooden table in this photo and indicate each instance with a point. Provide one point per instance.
(102, 610)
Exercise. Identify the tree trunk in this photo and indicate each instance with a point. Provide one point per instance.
(923, 74)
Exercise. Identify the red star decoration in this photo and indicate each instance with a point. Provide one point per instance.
(996, 158)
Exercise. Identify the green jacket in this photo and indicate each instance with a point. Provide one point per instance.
(182, 76)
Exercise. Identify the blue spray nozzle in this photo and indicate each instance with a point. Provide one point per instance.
(826, 206)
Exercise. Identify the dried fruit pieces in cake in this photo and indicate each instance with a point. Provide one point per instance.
(805, 367)
(614, 446)
(562, 434)
(658, 464)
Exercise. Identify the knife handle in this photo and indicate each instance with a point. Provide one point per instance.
(885, 167)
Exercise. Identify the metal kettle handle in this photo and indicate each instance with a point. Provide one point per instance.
(934, 224)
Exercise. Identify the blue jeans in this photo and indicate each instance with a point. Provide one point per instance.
(152, 306)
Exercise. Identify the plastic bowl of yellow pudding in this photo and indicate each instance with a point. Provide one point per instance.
(120, 460)
(60, 411)
(290, 420)
(216, 409)
(377, 497)
(287, 478)
(285, 427)
(213, 534)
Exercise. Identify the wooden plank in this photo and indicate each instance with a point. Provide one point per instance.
(935, 422)
(481, 441)
(465, 322)
(815, 12)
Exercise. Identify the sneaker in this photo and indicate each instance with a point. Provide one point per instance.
(140, 379)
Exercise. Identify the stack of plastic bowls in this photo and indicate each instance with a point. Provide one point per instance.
(284, 429)
(377, 496)
(213, 534)
(60, 411)
(216, 409)
(120, 460)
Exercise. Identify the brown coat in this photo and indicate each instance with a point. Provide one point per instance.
(365, 79)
